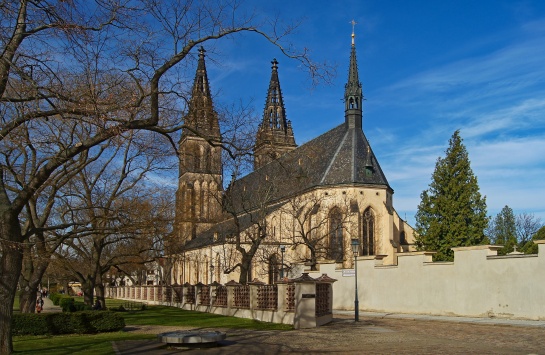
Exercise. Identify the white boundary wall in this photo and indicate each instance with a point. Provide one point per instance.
(477, 284)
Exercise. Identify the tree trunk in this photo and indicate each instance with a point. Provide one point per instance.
(245, 264)
(88, 287)
(99, 288)
(29, 281)
(27, 299)
(11, 259)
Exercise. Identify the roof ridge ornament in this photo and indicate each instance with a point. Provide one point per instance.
(354, 23)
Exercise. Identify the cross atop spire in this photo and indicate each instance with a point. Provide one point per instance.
(354, 23)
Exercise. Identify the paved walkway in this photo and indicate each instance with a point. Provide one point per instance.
(50, 307)
(423, 317)
(375, 333)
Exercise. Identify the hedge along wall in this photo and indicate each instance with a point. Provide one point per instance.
(87, 322)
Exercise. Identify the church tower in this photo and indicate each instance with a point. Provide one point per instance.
(353, 95)
(275, 135)
(198, 199)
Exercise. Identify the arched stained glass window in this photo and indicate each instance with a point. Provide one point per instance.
(335, 251)
(368, 235)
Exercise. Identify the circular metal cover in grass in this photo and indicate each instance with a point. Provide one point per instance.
(191, 337)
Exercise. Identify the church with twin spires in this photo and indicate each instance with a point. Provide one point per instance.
(301, 207)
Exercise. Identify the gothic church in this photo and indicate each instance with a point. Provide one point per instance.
(301, 206)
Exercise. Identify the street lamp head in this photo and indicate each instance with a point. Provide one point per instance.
(282, 248)
(355, 245)
(211, 267)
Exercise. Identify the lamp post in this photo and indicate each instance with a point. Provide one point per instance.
(355, 249)
(282, 251)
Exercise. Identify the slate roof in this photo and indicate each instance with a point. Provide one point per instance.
(226, 229)
(341, 156)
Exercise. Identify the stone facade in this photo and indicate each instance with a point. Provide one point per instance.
(300, 206)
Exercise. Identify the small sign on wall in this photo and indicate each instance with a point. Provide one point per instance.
(349, 272)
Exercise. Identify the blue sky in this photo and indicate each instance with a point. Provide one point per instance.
(427, 69)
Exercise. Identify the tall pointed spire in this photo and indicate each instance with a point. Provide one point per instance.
(353, 95)
(200, 171)
(201, 118)
(275, 134)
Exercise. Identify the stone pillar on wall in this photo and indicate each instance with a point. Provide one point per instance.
(282, 295)
(254, 288)
(231, 294)
(213, 287)
(305, 302)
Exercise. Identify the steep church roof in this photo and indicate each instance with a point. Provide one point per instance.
(341, 156)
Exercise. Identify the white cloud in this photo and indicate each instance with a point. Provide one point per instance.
(498, 103)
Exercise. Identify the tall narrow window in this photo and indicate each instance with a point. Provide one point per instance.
(335, 235)
(368, 232)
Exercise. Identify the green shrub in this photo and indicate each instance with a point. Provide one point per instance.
(80, 306)
(61, 323)
(104, 321)
(67, 304)
(85, 322)
(29, 324)
(55, 298)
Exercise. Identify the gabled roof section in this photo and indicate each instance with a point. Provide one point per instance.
(225, 231)
(341, 156)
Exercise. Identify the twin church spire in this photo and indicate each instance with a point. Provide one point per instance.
(200, 176)
(275, 134)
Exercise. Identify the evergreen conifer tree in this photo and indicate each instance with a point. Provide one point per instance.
(530, 247)
(452, 211)
(503, 230)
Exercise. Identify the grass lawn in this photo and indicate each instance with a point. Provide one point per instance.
(96, 344)
(152, 315)
(162, 315)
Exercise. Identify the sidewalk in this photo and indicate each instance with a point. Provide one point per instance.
(375, 333)
(49, 307)
(454, 319)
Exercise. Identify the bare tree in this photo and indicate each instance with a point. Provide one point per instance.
(248, 210)
(527, 228)
(117, 210)
(527, 224)
(102, 68)
(43, 231)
